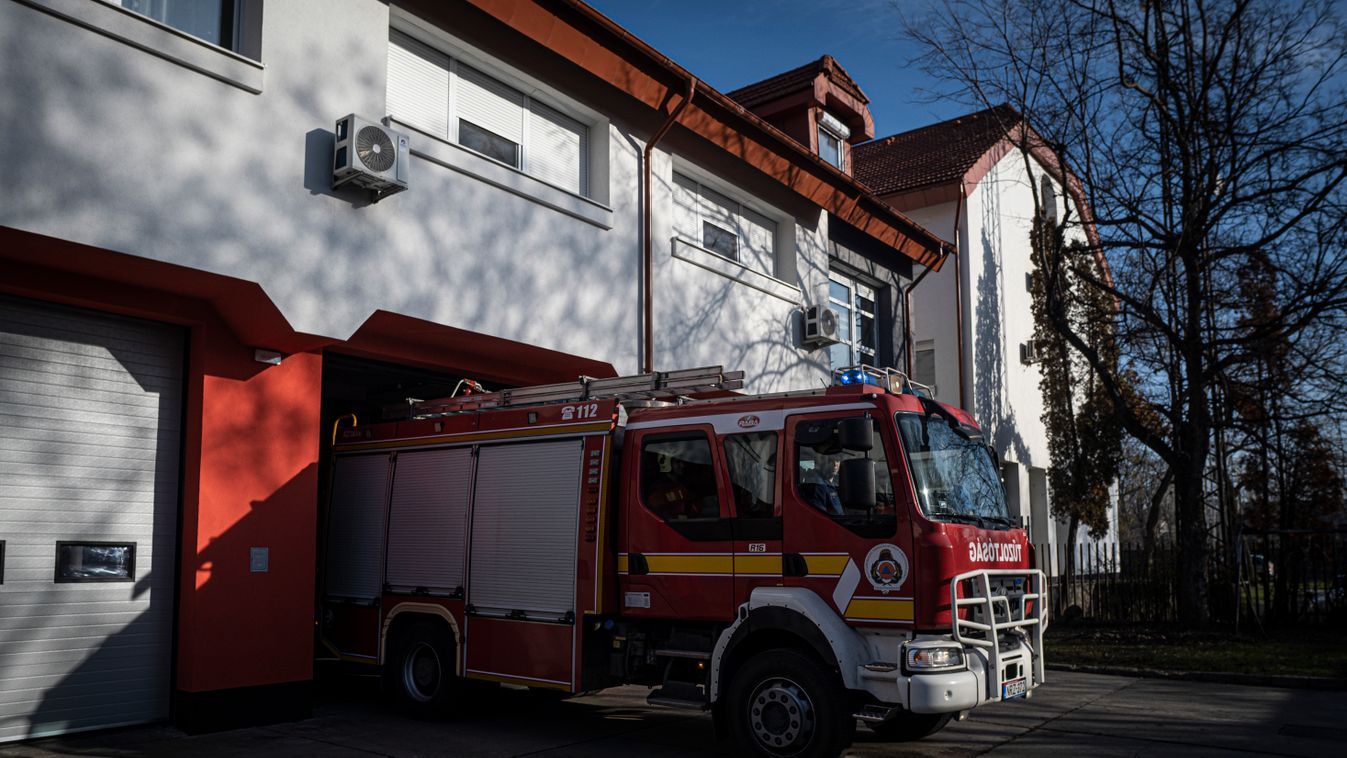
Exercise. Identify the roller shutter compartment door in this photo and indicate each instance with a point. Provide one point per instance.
(90, 423)
(427, 521)
(355, 527)
(524, 520)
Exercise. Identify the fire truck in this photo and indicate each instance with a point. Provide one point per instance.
(793, 563)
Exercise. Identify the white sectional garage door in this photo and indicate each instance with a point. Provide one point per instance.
(90, 415)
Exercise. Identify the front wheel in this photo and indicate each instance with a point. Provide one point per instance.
(785, 704)
(906, 726)
(419, 669)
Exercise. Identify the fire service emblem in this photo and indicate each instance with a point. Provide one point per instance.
(886, 567)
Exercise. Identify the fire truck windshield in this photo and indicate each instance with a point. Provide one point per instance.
(954, 474)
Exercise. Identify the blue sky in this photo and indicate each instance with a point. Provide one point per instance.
(729, 44)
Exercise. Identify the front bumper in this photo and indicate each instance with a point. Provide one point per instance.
(1000, 633)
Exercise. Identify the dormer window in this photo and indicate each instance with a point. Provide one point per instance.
(832, 135)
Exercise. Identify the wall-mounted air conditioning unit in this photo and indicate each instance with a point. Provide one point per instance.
(371, 156)
(820, 326)
(1031, 351)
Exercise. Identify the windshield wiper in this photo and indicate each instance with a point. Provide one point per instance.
(1000, 521)
(961, 518)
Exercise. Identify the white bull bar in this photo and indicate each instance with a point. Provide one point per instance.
(1035, 591)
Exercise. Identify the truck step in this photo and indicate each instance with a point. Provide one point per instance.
(693, 655)
(685, 695)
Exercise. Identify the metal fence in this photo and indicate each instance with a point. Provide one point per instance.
(1274, 578)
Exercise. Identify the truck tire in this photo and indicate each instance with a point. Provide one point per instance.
(785, 704)
(419, 669)
(906, 726)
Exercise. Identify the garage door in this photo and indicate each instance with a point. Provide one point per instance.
(90, 413)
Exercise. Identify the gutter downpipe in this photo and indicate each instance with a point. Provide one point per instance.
(958, 290)
(647, 275)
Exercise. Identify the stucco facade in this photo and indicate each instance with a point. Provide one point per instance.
(987, 294)
(154, 176)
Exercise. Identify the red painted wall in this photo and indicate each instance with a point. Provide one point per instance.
(251, 481)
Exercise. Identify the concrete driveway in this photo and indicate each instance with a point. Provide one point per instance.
(1072, 714)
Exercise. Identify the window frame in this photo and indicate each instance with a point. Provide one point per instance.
(131, 565)
(925, 346)
(239, 66)
(830, 125)
(869, 529)
(729, 473)
(823, 132)
(593, 175)
(851, 311)
(700, 528)
(781, 250)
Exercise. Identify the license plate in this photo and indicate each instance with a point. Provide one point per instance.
(1014, 688)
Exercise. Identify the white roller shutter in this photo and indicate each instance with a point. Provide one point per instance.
(427, 519)
(489, 104)
(355, 527)
(418, 85)
(557, 149)
(524, 520)
(90, 427)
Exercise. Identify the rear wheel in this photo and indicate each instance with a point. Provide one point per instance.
(785, 704)
(907, 726)
(419, 669)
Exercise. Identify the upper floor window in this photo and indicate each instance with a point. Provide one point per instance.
(832, 135)
(1048, 198)
(857, 327)
(923, 364)
(449, 99)
(215, 21)
(829, 147)
(724, 226)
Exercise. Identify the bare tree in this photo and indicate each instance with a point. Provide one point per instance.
(1196, 135)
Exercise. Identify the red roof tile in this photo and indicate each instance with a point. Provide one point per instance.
(797, 79)
(933, 154)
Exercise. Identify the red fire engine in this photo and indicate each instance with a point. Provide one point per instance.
(791, 562)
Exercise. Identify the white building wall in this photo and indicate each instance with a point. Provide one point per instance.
(934, 305)
(1001, 391)
(114, 147)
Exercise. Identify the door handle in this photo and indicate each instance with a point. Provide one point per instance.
(793, 564)
(637, 565)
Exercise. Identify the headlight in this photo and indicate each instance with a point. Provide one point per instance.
(934, 658)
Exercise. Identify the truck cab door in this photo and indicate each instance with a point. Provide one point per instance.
(856, 558)
(678, 559)
(755, 493)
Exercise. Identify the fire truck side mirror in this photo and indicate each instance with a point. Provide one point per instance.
(856, 433)
(856, 487)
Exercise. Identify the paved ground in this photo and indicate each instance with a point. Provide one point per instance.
(1072, 714)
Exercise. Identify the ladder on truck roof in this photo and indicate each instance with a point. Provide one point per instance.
(658, 385)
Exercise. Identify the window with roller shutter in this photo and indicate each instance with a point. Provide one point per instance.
(449, 99)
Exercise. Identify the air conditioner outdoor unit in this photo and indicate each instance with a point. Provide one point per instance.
(371, 156)
(820, 326)
(1031, 351)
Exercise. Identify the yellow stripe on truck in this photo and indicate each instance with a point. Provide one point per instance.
(690, 564)
(879, 609)
(721, 564)
(757, 565)
(826, 565)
